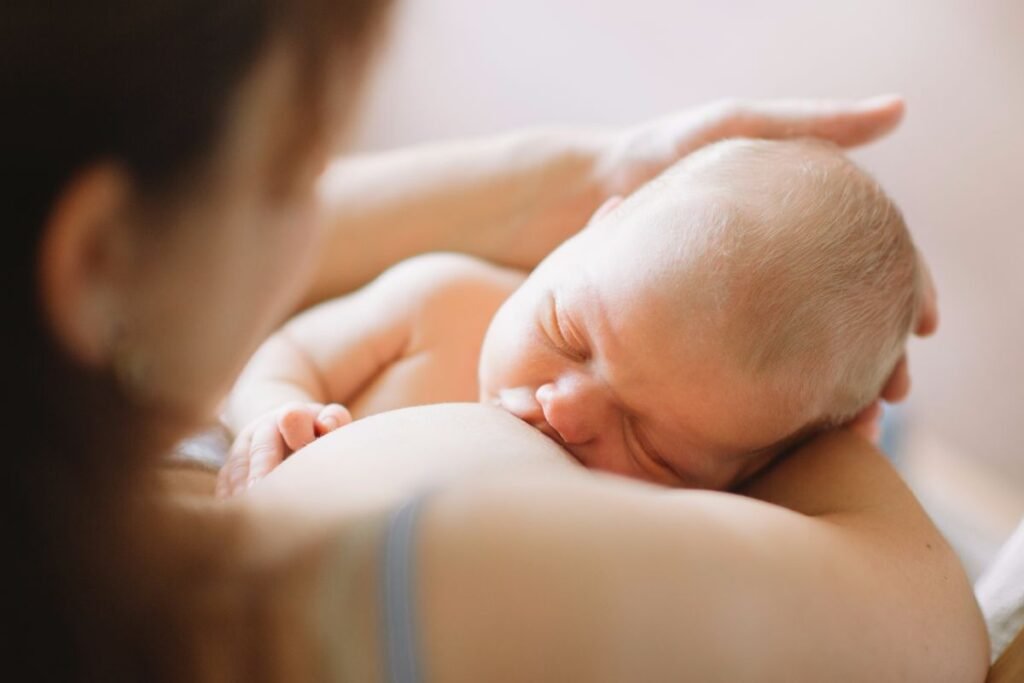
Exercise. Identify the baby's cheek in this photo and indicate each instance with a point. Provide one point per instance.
(489, 370)
(727, 472)
(506, 360)
(755, 464)
(705, 471)
(488, 366)
(723, 476)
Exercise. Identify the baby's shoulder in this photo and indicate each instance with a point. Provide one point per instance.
(438, 279)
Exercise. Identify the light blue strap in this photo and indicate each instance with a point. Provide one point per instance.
(401, 655)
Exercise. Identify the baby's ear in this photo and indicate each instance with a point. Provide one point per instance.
(898, 385)
(605, 209)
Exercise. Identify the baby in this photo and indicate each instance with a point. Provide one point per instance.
(750, 296)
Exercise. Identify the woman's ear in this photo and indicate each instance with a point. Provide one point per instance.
(82, 252)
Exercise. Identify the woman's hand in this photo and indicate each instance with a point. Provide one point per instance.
(513, 198)
(637, 154)
(588, 168)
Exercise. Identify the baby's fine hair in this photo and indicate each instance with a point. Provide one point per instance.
(812, 262)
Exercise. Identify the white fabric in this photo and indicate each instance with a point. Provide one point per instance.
(207, 449)
(1001, 593)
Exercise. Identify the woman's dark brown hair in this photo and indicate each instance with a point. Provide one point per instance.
(145, 84)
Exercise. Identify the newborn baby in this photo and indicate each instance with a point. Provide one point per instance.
(755, 293)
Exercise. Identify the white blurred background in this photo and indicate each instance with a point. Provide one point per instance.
(467, 67)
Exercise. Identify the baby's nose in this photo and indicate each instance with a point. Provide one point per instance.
(575, 409)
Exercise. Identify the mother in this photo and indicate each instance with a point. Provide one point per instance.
(162, 158)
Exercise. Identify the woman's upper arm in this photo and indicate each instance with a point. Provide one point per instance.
(593, 578)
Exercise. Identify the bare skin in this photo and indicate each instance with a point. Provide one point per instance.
(512, 199)
(605, 348)
(196, 305)
(664, 583)
(415, 336)
(412, 337)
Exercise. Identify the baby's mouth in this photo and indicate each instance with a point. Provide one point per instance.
(547, 430)
(522, 403)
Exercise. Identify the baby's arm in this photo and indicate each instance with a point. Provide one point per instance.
(290, 392)
(288, 395)
(325, 354)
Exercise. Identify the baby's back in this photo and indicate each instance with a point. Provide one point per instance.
(456, 297)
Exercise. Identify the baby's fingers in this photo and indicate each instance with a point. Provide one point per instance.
(233, 474)
(297, 424)
(332, 417)
(266, 452)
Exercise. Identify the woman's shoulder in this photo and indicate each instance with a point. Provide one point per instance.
(596, 574)
(558, 573)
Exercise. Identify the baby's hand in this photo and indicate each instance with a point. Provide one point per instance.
(268, 440)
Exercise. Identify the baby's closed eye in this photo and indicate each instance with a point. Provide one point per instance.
(563, 334)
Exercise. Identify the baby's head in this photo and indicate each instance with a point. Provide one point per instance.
(753, 294)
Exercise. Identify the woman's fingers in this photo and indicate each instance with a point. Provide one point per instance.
(898, 385)
(928, 316)
(844, 123)
(333, 416)
(868, 423)
(642, 152)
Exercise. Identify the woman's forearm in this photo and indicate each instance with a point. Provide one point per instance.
(508, 199)
(511, 199)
